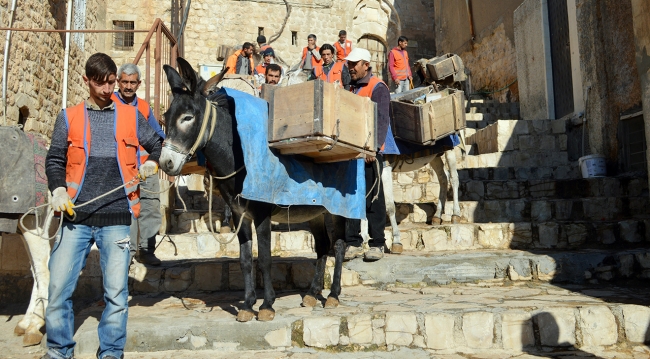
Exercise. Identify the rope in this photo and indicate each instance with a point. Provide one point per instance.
(241, 219)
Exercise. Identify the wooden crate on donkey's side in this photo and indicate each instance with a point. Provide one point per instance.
(320, 120)
(425, 122)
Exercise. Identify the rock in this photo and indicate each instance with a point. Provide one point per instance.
(279, 337)
(435, 240)
(292, 241)
(557, 327)
(321, 332)
(540, 211)
(207, 277)
(235, 276)
(478, 329)
(598, 326)
(207, 245)
(636, 319)
(177, 279)
(517, 330)
(576, 234)
(302, 274)
(462, 236)
(439, 329)
(400, 328)
(475, 190)
(548, 234)
(360, 329)
(625, 265)
(643, 259)
(198, 341)
(491, 236)
(520, 233)
(629, 231)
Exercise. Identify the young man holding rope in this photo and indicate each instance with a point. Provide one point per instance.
(94, 149)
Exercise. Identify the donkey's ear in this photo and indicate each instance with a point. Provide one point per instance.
(187, 74)
(175, 81)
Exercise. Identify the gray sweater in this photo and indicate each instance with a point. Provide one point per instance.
(102, 171)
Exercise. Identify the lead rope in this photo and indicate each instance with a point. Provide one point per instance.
(241, 219)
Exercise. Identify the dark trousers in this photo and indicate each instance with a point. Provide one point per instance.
(375, 211)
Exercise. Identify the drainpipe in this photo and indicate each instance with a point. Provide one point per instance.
(471, 20)
(6, 61)
(66, 56)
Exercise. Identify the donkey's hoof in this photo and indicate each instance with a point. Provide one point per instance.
(245, 316)
(436, 221)
(32, 339)
(331, 303)
(455, 219)
(19, 331)
(266, 315)
(309, 301)
(224, 230)
(396, 248)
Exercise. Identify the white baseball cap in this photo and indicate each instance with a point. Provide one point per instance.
(358, 54)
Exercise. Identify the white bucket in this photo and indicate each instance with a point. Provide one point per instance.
(592, 166)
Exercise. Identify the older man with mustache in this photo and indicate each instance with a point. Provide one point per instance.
(144, 229)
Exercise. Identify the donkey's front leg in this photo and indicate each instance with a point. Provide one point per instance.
(246, 313)
(322, 244)
(450, 156)
(339, 255)
(264, 262)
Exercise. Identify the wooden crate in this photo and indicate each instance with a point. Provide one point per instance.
(443, 66)
(425, 123)
(307, 117)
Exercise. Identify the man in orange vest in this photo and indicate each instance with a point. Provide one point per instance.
(398, 65)
(241, 62)
(261, 43)
(310, 55)
(343, 46)
(94, 150)
(146, 227)
(366, 85)
(331, 71)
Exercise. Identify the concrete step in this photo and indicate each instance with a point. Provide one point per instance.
(519, 158)
(443, 320)
(521, 135)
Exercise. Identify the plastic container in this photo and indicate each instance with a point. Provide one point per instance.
(593, 166)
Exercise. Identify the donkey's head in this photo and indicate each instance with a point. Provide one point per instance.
(183, 118)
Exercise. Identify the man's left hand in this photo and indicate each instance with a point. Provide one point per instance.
(148, 169)
(370, 159)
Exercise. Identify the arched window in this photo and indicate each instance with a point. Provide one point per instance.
(378, 58)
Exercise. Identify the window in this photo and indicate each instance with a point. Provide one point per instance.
(123, 40)
(260, 31)
(294, 38)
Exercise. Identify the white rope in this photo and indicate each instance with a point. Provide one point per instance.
(241, 219)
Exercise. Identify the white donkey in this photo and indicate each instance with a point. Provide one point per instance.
(444, 176)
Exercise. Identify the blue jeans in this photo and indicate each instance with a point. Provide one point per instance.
(403, 86)
(68, 258)
(148, 223)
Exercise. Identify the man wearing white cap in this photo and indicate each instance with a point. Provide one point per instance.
(365, 84)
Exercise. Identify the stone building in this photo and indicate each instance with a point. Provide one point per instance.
(35, 63)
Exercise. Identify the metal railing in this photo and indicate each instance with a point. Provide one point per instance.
(165, 52)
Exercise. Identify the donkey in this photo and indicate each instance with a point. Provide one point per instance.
(222, 149)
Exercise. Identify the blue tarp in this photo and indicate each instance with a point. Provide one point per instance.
(286, 180)
(395, 146)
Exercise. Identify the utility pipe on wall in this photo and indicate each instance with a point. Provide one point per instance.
(66, 56)
(6, 61)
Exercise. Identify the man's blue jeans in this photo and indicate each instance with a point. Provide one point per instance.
(403, 86)
(68, 258)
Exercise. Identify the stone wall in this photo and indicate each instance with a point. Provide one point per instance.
(607, 62)
(35, 70)
(640, 9)
(490, 55)
(212, 23)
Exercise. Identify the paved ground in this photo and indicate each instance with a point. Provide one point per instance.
(165, 326)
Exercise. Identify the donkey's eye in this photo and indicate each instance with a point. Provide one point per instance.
(186, 118)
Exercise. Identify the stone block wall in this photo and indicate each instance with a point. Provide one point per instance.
(34, 79)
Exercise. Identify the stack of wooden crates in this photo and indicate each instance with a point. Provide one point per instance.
(320, 120)
(422, 116)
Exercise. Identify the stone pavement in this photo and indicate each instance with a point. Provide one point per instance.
(494, 320)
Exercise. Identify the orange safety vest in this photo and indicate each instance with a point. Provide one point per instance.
(144, 109)
(314, 62)
(126, 136)
(335, 73)
(400, 63)
(261, 69)
(232, 62)
(264, 47)
(366, 91)
(341, 51)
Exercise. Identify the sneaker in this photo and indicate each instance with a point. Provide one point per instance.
(374, 254)
(352, 252)
(148, 258)
(48, 356)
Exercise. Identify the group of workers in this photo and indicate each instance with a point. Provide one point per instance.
(112, 138)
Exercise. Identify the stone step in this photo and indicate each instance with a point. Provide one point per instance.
(525, 136)
(529, 210)
(521, 173)
(497, 184)
(444, 320)
(517, 158)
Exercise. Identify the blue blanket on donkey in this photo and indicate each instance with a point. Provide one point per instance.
(285, 180)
